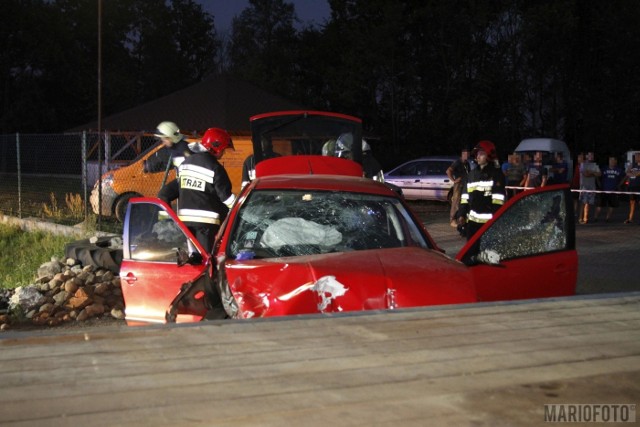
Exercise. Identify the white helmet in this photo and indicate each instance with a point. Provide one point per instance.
(365, 146)
(329, 148)
(343, 145)
(169, 130)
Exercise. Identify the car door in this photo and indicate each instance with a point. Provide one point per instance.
(150, 275)
(436, 184)
(411, 177)
(528, 249)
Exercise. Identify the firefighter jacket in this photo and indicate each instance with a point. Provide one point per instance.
(482, 193)
(249, 166)
(158, 161)
(205, 190)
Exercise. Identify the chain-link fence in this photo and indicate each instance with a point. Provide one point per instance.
(53, 177)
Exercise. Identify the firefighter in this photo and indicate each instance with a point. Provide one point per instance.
(370, 165)
(204, 188)
(249, 164)
(175, 146)
(483, 192)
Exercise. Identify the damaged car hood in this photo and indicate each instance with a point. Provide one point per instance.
(347, 281)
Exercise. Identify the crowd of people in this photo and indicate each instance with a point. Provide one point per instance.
(478, 190)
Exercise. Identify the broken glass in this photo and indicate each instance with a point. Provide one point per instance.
(297, 222)
(537, 224)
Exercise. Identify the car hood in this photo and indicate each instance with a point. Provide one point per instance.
(348, 281)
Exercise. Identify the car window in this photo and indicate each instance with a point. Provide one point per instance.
(411, 169)
(293, 223)
(153, 235)
(437, 168)
(535, 225)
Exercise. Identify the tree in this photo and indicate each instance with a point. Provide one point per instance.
(264, 44)
(48, 60)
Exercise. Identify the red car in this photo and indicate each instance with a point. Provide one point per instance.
(310, 235)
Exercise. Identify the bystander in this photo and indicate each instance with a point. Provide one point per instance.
(612, 177)
(633, 175)
(589, 172)
(457, 173)
(536, 175)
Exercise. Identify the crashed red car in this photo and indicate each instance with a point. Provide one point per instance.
(310, 235)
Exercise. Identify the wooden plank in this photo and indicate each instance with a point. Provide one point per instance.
(446, 364)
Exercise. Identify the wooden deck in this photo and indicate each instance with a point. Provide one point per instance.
(475, 365)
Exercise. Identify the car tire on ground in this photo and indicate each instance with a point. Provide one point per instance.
(98, 254)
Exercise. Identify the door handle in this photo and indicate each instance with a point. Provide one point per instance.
(130, 278)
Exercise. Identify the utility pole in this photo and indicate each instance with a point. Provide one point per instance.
(100, 113)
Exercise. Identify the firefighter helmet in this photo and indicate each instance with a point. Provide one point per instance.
(486, 146)
(215, 141)
(169, 130)
(344, 143)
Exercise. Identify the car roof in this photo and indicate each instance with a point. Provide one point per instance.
(322, 183)
(436, 158)
(542, 144)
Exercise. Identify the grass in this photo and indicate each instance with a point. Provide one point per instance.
(21, 253)
(56, 198)
(50, 198)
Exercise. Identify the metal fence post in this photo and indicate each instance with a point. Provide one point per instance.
(84, 176)
(19, 177)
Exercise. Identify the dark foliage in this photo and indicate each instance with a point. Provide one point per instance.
(426, 76)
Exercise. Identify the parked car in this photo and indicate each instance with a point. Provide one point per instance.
(424, 178)
(309, 235)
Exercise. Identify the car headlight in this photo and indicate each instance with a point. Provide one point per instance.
(107, 179)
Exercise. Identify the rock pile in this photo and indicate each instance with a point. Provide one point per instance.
(66, 291)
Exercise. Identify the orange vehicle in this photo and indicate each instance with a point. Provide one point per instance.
(121, 185)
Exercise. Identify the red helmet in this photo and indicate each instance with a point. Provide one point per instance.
(486, 146)
(216, 140)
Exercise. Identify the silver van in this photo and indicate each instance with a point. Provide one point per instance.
(549, 147)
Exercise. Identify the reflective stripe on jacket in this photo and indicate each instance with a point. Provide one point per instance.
(482, 194)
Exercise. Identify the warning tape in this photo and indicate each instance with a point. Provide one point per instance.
(580, 191)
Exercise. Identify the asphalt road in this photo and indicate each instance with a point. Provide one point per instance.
(608, 253)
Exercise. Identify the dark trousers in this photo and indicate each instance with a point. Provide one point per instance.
(204, 233)
(472, 228)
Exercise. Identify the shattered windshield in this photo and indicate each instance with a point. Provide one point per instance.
(535, 225)
(297, 222)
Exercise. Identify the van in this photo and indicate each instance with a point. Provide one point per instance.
(122, 184)
(630, 158)
(549, 147)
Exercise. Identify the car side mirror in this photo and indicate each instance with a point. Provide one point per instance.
(184, 257)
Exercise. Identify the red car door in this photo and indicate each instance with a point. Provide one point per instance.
(528, 249)
(150, 275)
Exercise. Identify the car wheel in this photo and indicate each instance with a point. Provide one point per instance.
(99, 254)
(120, 209)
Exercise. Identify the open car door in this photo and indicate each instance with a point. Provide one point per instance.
(528, 249)
(161, 260)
